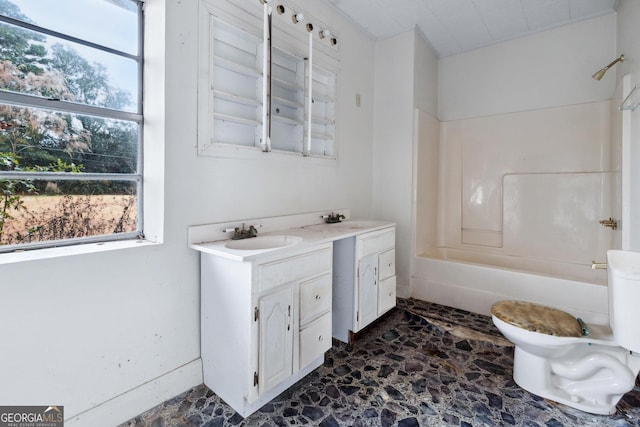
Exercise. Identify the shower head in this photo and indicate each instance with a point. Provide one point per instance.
(600, 73)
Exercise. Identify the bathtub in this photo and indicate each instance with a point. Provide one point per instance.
(473, 281)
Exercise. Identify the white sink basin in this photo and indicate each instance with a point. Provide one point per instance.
(263, 242)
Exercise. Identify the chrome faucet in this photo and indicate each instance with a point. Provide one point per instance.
(242, 233)
(333, 218)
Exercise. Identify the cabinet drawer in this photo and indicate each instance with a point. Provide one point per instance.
(292, 269)
(377, 241)
(315, 339)
(386, 295)
(387, 264)
(315, 298)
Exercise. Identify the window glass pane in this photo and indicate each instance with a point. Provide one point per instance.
(47, 66)
(61, 195)
(110, 23)
(55, 210)
(43, 140)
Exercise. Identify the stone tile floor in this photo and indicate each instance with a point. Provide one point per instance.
(422, 364)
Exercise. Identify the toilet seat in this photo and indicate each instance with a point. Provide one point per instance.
(537, 318)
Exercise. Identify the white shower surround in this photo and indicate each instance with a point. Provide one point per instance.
(536, 236)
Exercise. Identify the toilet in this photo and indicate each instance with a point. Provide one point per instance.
(559, 357)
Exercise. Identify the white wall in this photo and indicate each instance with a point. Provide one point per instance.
(110, 334)
(547, 69)
(627, 37)
(425, 75)
(393, 134)
(274, 185)
(427, 134)
(405, 78)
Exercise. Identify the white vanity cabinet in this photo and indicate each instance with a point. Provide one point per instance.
(265, 323)
(364, 280)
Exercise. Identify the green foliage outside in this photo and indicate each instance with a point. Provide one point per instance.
(12, 189)
(45, 141)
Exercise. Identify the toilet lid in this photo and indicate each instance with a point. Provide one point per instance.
(537, 318)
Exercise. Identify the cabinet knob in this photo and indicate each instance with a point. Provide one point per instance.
(320, 338)
(317, 297)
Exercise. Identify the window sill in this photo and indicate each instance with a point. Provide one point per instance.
(82, 249)
(230, 151)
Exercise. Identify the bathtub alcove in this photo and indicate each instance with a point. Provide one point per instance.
(510, 207)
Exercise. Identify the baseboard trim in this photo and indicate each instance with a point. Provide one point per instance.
(140, 399)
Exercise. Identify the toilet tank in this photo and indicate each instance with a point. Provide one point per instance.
(623, 269)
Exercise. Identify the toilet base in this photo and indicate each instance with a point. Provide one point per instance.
(592, 380)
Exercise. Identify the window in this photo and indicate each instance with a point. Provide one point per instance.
(70, 122)
(267, 80)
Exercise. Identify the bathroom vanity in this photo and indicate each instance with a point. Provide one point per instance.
(270, 304)
(265, 323)
(364, 280)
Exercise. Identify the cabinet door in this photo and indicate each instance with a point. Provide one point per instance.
(276, 338)
(367, 290)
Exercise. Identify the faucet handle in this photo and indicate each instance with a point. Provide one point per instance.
(252, 231)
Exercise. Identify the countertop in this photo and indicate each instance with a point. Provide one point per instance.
(292, 238)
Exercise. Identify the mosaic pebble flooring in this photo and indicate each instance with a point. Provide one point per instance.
(422, 364)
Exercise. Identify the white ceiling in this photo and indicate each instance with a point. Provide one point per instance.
(455, 26)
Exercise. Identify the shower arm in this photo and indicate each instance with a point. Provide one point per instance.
(614, 62)
(600, 73)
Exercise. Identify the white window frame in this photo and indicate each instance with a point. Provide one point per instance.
(56, 105)
(295, 130)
